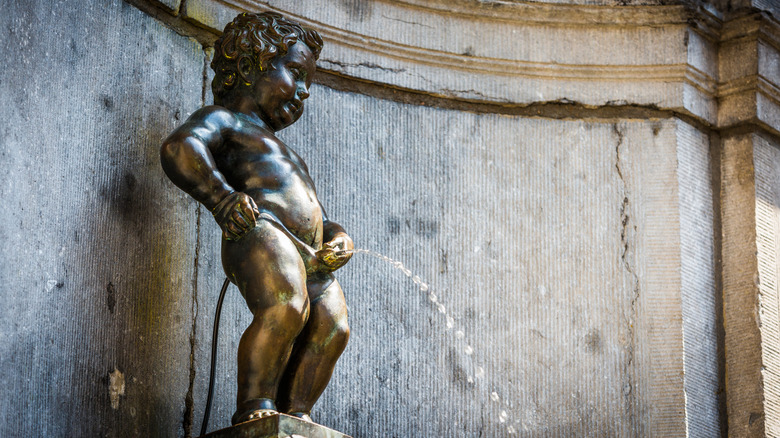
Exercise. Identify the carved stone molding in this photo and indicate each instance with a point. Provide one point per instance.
(750, 72)
(513, 53)
(680, 57)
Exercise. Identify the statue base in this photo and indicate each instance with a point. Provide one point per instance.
(276, 426)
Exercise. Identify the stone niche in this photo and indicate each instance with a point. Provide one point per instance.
(591, 189)
(553, 170)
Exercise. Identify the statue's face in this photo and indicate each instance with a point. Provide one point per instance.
(280, 90)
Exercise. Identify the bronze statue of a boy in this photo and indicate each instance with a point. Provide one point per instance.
(278, 246)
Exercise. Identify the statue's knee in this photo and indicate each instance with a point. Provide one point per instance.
(340, 335)
(290, 315)
(296, 311)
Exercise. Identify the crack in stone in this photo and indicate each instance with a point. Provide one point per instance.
(205, 89)
(450, 92)
(625, 220)
(560, 109)
(189, 398)
(407, 22)
(370, 65)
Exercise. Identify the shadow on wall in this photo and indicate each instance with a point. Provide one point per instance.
(144, 245)
(98, 327)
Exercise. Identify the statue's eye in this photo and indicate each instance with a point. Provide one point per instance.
(298, 74)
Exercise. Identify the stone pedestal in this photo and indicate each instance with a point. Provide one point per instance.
(276, 426)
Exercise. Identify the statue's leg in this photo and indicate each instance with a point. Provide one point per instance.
(317, 349)
(269, 272)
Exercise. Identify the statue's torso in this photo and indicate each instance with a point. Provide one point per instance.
(257, 163)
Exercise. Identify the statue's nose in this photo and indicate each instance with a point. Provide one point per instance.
(303, 92)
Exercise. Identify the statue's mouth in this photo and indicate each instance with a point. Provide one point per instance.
(290, 111)
(297, 106)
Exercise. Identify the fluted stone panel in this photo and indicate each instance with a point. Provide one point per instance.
(97, 262)
(700, 303)
(554, 245)
(767, 182)
(744, 382)
(667, 212)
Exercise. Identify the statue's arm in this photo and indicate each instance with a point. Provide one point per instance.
(186, 157)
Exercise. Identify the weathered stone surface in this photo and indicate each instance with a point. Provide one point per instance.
(700, 304)
(556, 246)
(467, 51)
(751, 224)
(577, 257)
(172, 5)
(750, 202)
(667, 238)
(737, 7)
(766, 161)
(97, 246)
(744, 383)
(750, 73)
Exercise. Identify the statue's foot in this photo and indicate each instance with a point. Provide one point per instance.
(302, 415)
(260, 413)
(254, 409)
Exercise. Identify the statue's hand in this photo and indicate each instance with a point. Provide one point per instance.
(236, 214)
(336, 253)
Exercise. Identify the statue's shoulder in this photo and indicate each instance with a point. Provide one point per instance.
(214, 116)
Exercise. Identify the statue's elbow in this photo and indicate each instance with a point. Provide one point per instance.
(169, 151)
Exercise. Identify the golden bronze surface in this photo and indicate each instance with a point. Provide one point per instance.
(278, 245)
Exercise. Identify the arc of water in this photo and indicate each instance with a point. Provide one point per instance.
(503, 416)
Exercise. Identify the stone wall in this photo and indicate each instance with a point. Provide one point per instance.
(98, 267)
(590, 189)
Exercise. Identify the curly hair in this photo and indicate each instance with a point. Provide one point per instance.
(259, 38)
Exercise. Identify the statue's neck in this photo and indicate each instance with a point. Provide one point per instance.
(248, 108)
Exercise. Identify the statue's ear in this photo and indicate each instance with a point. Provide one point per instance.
(245, 69)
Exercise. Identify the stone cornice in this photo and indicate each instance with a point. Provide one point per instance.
(758, 25)
(515, 53)
(749, 92)
(547, 14)
(520, 12)
(669, 57)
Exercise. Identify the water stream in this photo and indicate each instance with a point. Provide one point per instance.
(478, 375)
